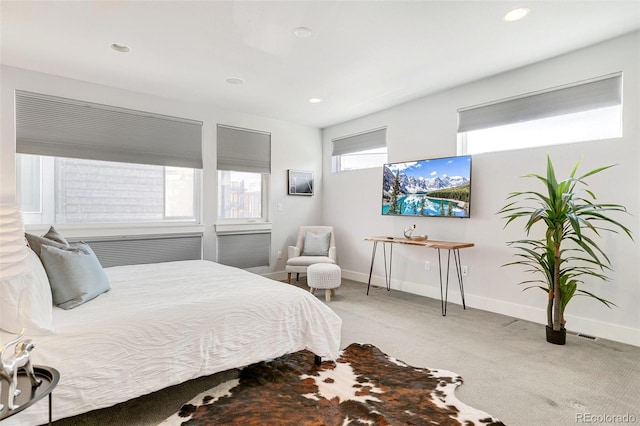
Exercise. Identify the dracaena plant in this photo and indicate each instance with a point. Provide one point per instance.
(571, 218)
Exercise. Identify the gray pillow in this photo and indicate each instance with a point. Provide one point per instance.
(316, 244)
(75, 274)
(51, 238)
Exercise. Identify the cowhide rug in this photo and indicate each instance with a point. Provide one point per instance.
(364, 387)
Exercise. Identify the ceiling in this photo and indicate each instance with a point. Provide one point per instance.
(361, 56)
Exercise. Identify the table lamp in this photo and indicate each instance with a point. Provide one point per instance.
(13, 249)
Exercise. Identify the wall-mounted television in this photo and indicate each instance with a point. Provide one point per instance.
(439, 187)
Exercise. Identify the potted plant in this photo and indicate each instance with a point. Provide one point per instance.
(567, 253)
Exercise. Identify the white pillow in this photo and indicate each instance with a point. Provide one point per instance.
(26, 301)
(316, 244)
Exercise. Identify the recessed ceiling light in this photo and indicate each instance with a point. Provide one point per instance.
(315, 100)
(234, 80)
(516, 14)
(122, 48)
(302, 32)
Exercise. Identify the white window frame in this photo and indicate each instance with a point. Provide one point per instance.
(337, 160)
(46, 215)
(243, 150)
(264, 217)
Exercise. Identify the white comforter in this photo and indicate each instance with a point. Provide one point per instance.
(163, 324)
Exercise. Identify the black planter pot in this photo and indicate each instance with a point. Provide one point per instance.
(556, 337)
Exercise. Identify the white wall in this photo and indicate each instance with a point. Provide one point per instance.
(426, 128)
(292, 147)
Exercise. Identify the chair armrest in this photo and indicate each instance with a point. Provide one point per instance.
(293, 251)
(333, 253)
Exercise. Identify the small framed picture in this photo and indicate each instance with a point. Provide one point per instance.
(300, 182)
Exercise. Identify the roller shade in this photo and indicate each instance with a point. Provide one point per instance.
(246, 250)
(584, 96)
(364, 141)
(243, 150)
(142, 249)
(61, 127)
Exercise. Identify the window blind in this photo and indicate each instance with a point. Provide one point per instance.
(583, 96)
(61, 127)
(364, 141)
(244, 250)
(243, 150)
(141, 249)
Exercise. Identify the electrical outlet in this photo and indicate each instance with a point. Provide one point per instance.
(427, 265)
(465, 271)
(279, 254)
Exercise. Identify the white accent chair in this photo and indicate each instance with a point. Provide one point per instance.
(298, 260)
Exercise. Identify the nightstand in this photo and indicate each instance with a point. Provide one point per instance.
(29, 396)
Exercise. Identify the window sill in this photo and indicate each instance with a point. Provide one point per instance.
(244, 227)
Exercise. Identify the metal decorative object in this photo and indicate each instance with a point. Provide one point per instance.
(9, 366)
(409, 231)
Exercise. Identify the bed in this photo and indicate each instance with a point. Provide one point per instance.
(162, 324)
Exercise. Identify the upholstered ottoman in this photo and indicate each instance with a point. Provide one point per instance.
(324, 276)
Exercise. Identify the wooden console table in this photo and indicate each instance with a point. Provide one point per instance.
(438, 245)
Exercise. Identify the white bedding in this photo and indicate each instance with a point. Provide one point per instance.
(162, 324)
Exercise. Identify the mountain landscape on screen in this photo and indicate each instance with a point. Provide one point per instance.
(435, 187)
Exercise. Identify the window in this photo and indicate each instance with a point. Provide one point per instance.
(583, 111)
(244, 167)
(360, 151)
(360, 160)
(180, 193)
(240, 195)
(77, 191)
(29, 183)
(80, 162)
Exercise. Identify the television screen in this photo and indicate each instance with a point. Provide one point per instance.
(435, 187)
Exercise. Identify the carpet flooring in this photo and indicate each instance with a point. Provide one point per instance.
(509, 369)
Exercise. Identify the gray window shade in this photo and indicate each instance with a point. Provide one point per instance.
(364, 141)
(60, 127)
(135, 250)
(246, 250)
(243, 150)
(597, 93)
